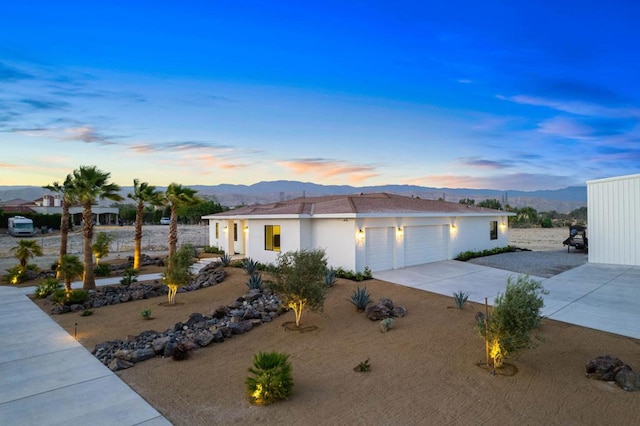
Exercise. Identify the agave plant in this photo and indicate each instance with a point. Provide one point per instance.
(47, 287)
(249, 266)
(330, 277)
(271, 378)
(460, 298)
(361, 298)
(225, 259)
(254, 282)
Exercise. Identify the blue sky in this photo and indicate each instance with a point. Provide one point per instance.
(460, 94)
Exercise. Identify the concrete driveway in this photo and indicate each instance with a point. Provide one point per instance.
(598, 296)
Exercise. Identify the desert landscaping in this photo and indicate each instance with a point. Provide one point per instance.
(423, 371)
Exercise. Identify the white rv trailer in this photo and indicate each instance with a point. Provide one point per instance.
(20, 226)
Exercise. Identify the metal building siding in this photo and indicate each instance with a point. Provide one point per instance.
(614, 220)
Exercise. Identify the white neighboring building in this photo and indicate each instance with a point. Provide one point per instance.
(52, 204)
(380, 231)
(613, 210)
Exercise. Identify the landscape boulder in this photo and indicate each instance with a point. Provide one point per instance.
(377, 312)
(604, 368)
(613, 369)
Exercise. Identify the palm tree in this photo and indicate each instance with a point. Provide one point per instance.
(143, 193)
(178, 196)
(70, 268)
(89, 185)
(68, 199)
(25, 250)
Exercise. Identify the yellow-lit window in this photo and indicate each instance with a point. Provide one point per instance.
(217, 230)
(272, 237)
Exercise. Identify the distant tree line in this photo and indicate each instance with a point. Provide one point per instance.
(528, 216)
(189, 215)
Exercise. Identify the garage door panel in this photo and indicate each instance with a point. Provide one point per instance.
(379, 248)
(424, 244)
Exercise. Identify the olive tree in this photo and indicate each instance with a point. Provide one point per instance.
(515, 313)
(299, 280)
(178, 271)
(101, 246)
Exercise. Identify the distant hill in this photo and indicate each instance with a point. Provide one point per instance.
(561, 200)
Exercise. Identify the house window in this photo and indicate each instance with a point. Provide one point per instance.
(217, 230)
(272, 237)
(493, 230)
(235, 232)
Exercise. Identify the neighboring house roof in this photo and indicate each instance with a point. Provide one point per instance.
(16, 205)
(375, 204)
(16, 202)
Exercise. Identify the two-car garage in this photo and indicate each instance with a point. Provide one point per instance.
(388, 248)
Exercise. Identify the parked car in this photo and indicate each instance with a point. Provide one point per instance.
(165, 221)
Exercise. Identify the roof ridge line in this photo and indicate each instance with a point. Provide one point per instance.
(351, 203)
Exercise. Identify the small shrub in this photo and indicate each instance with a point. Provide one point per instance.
(102, 270)
(146, 314)
(367, 273)
(213, 250)
(387, 324)
(237, 264)
(361, 298)
(129, 276)
(330, 277)
(467, 255)
(86, 313)
(271, 378)
(47, 287)
(364, 366)
(74, 297)
(250, 266)
(254, 282)
(354, 276)
(460, 298)
(16, 275)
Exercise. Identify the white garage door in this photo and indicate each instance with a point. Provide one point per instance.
(379, 248)
(424, 244)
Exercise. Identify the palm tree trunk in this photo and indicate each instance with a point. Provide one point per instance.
(64, 234)
(138, 236)
(89, 281)
(173, 230)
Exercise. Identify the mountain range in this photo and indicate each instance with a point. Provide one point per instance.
(561, 200)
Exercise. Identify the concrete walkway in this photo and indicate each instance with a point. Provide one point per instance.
(48, 378)
(602, 297)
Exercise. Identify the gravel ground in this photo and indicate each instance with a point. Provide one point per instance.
(543, 264)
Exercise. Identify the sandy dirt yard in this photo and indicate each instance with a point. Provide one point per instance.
(424, 371)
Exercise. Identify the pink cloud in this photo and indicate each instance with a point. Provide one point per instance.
(331, 168)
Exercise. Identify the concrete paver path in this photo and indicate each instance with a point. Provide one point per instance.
(48, 378)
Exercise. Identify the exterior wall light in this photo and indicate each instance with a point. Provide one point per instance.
(360, 234)
(399, 232)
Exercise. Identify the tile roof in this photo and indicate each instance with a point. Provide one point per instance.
(373, 203)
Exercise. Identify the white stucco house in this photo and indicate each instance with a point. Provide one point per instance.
(380, 231)
(613, 215)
